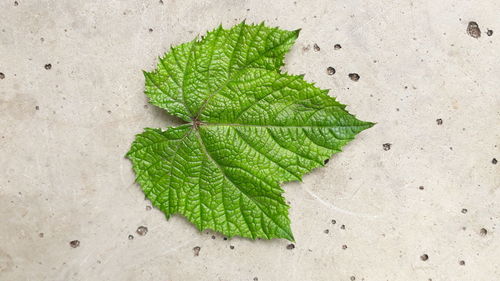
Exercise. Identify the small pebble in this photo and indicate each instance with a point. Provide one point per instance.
(337, 47)
(424, 257)
(421, 187)
(344, 247)
(334, 221)
(494, 161)
(439, 121)
(386, 146)
(48, 66)
(2, 76)
(489, 32)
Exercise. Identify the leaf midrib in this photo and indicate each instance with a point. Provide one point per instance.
(238, 72)
(209, 156)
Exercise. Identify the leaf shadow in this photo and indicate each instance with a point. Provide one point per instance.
(166, 118)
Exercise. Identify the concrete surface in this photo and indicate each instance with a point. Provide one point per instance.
(64, 132)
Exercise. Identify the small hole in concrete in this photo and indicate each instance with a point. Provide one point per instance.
(483, 231)
(142, 230)
(354, 76)
(74, 244)
(330, 70)
(196, 251)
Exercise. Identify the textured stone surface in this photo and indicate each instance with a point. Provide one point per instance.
(71, 102)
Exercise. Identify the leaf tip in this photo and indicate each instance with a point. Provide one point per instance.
(290, 237)
(297, 32)
(369, 124)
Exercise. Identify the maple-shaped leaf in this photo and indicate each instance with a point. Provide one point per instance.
(250, 128)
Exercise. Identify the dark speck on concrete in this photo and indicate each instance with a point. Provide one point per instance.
(16, 3)
(255, 279)
(326, 161)
(421, 187)
(231, 247)
(344, 247)
(473, 30)
(353, 278)
(40, 234)
(2, 76)
(150, 30)
(225, 238)
(330, 70)
(148, 208)
(142, 230)
(461, 262)
(196, 251)
(334, 221)
(290, 246)
(213, 236)
(37, 107)
(439, 121)
(316, 47)
(464, 211)
(74, 243)
(494, 161)
(489, 32)
(386, 146)
(354, 76)
(48, 66)
(326, 231)
(424, 257)
(131, 237)
(337, 47)
(342, 226)
(483, 231)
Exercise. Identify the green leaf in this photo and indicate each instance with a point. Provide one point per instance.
(250, 128)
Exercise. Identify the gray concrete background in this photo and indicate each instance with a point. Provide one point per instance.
(64, 131)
